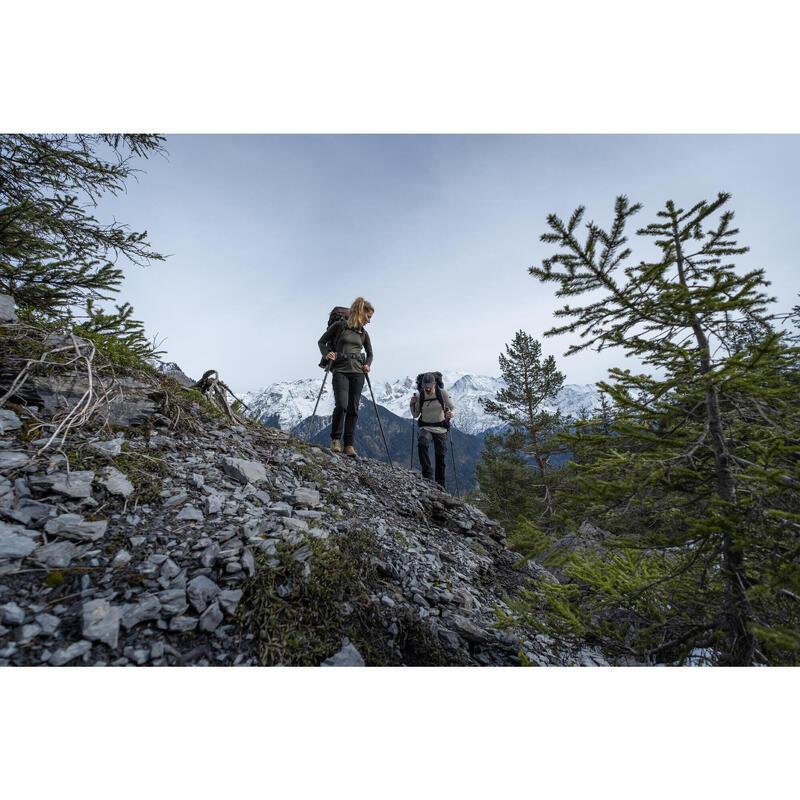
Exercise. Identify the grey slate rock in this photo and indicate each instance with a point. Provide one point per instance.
(15, 545)
(173, 601)
(175, 500)
(12, 614)
(169, 569)
(248, 562)
(67, 654)
(101, 622)
(56, 555)
(111, 447)
(228, 600)
(348, 656)
(182, 624)
(30, 511)
(210, 555)
(213, 503)
(211, 618)
(121, 559)
(73, 526)
(74, 484)
(148, 607)
(27, 633)
(9, 421)
(469, 630)
(190, 513)
(244, 471)
(48, 622)
(116, 482)
(200, 591)
(306, 497)
(10, 459)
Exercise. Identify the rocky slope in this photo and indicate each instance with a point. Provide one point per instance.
(182, 538)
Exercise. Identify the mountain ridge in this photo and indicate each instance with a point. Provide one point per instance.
(288, 403)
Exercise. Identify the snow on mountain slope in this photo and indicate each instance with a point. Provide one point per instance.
(289, 402)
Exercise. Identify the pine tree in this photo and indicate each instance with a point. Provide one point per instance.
(54, 254)
(701, 467)
(530, 382)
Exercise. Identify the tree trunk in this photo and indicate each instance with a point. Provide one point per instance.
(739, 647)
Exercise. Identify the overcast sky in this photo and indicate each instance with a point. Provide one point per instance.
(267, 232)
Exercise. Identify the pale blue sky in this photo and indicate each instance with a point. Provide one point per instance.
(267, 232)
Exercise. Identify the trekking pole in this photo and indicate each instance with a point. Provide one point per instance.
(453, 457)
(375, 406)
(411, 458)
(314, 412)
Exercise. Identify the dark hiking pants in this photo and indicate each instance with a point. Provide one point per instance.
(439, 448)
(347, 388)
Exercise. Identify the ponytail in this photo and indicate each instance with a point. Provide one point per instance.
(358, 313)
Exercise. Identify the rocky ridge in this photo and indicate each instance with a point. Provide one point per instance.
(213, 543)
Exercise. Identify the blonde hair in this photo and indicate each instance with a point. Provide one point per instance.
(358, 313)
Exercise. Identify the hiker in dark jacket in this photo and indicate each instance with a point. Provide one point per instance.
(342, 344)
(432, 415)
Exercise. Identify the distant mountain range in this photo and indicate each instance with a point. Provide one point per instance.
(286, 404)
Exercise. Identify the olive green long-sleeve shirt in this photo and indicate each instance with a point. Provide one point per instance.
(349, 344)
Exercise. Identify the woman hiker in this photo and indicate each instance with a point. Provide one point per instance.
(342, 344)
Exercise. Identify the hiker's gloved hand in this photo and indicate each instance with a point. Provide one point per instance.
(331, 356)
(414, 400)
(448, 414)
(366, 367)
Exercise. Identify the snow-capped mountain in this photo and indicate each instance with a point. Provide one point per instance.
(286, 403)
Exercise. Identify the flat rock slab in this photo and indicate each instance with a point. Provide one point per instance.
(67, 654)
(74, 484)
(116, 482)
(469, 630)
(56, 555)
(348, 656)
(111, 447)
(11, 459)
(132, 614)
(190, 514)
(9, 421)
(244, 471)
(306, 497)
(73, 526)
(101, 622)
(16, 544)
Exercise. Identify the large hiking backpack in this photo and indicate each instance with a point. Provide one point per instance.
(422, 400)
(338, 314)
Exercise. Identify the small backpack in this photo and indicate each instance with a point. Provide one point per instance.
(338, 314)
(421, 394)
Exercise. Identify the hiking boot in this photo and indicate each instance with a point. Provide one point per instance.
(349, 451)
(335, 446)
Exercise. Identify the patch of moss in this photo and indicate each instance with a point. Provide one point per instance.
(145, 471)
(312, 473)
(54, 579)
(308, 625)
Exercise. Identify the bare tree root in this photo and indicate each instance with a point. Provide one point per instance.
(215, 391)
